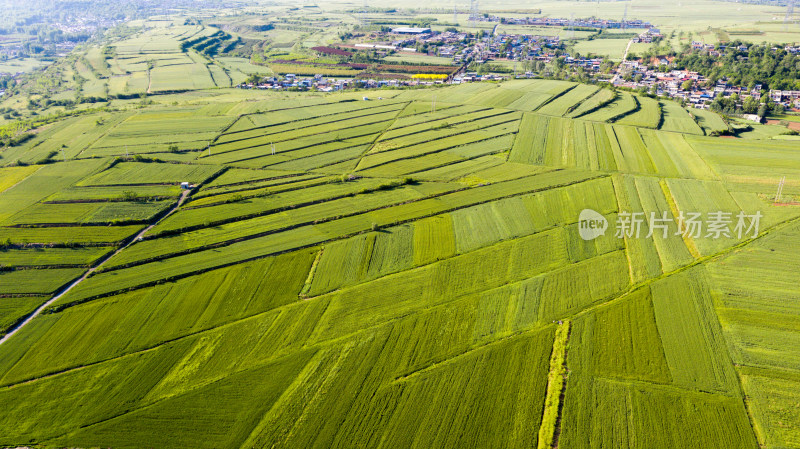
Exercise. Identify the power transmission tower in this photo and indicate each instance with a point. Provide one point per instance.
(455, 14)
(364, 14)
(779, 193)
(624, 16)
(473, 10)
(789, 13)
(571, 32)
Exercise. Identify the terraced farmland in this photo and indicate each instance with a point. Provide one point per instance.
(378, 273)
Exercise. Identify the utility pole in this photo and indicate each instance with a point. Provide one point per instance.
(779, 193)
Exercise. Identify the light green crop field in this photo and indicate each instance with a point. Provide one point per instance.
(613, 48)
(14, 66)
(349, 273)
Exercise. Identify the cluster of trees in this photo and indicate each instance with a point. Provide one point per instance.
(759, 64)
(750, 105)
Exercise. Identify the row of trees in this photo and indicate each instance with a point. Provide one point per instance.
(759, 64)
(733, 105)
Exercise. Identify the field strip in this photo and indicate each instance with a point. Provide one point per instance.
(379, 134)
(712, 257)
(463, 130)
(370, 108)
(368, 145)
(333, 120)
(89, 272)
(434, 167)
(320, 343)
(423, 153)
(673, 206)
(297, 125)
(449, 359)
(555, 97)
(210, 267)
(168, 398)
(310, 279)
(459, 121)
(18, 182)
(287, 186)
(332, 139)
(224, 243)
(252, 181)
(279, 230)
(261, 213)
(213, 328)
(636, 108)
(556, 389)
(428, 153)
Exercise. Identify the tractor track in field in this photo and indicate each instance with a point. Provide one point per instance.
(91, 270)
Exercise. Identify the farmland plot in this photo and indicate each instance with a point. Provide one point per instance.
(596, 101)
(677, 119)
(568, 101)
(648, 115)
(391, 267)
(142, 173)
(621, 106)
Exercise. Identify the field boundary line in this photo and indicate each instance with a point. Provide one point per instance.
(333, 121)
(247, 114)
(259, 156)
(153, 403)
(466, 159)
(599, 106)
(460, 121)
(253, 181)
(288, 186)
(636, 108)
(426, 153)
(378, 136)
(451, 358)
(174, 232)
(554, 97)
(454, 133)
